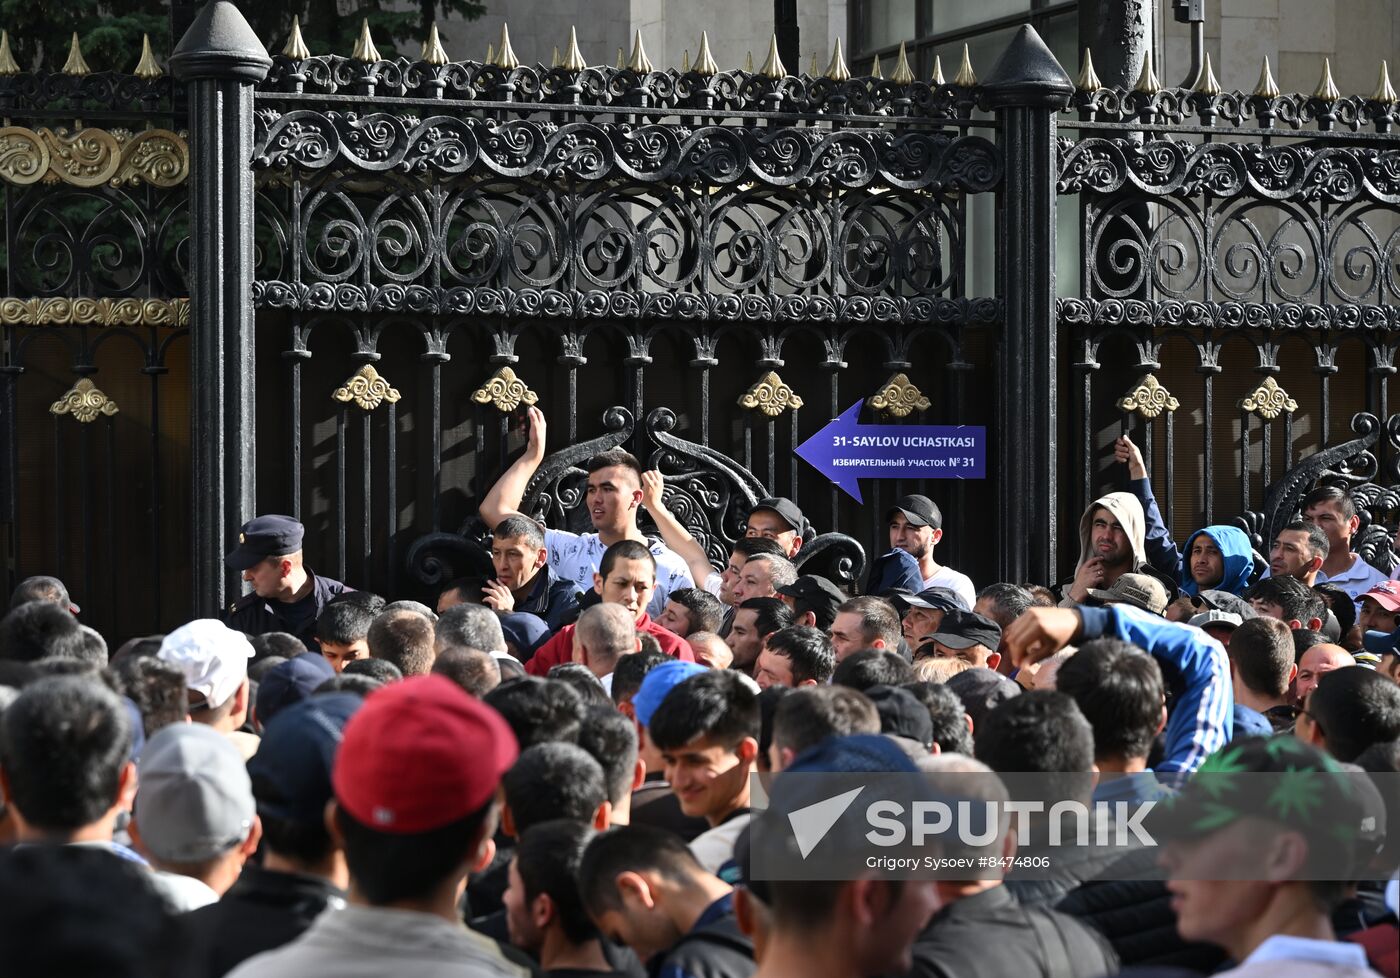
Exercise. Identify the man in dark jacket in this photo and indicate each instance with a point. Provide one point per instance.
(302, 873)
(524, 581)
(287, 596)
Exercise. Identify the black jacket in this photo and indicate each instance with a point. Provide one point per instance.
(552, 599)
(262, 911)
(714, 948)
(991, 935)
(253, 615)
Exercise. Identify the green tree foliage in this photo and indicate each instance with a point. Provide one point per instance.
(110, 30)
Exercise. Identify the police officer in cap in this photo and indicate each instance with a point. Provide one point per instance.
(286, 596)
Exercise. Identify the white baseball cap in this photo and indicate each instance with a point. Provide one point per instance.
(213, 657)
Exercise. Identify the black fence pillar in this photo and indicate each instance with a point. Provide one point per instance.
(1026, 88)
(1119, 32)
(220, 59)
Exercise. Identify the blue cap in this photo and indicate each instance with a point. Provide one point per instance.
(525, 631)
(263, 537)
(289, 683)
(853, 754)
(1381, 642)
(894, 571)
(658, 683)
(291, 771)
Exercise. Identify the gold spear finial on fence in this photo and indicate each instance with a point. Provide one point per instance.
(812, 65)
(836, 69)
(773, 64)
(433, 51)
(75, 65)
(638, 60)
(147, 67)
(364, 47)
(1206, 83)
(966, 76)
(505, 55)
(748, 62)
(8, 64)
(938, 78)
(1326, 88)
(296, 48)
(875, 70)
(1088, 80)
(705, 64)
(685, 62)
(902, 74)
(573, 57)
(1385, 91)
(1267, 87)
(1147, 83)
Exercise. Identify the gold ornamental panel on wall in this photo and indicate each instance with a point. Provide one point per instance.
(506, 391)
(173, 313)
(90, 156)
(1148, 399)
(770, 396)
(367, 389)
(84, 402)
(1268, 400)
(899, 397)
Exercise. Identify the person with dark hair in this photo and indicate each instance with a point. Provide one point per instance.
(415, 783)
(472, 669)
(813, 601)
(1315, 663)
(807, 716)
(588, 686)
(1003, 603)
(872, 667)
(358, 685)
(38, 630)
(469, 626)
(1119, 689)
(952, 729)
(1379, 608)
(553, 780)
(544, 912)
(795, 656)
(1038, 731)
(42, 588)
(461, 590)
(644, 888)
(524, 581)
(707, 730)
(1348, 711)
(1299, 550)
(626, 576)
(538, 710)
(628, 674)
(126, 930)
(762, 576)
(922, 613)
(1262, 669)
(405, 639)
(865, 622)
(157, 688)
(1304, 639)
(1290, 601)
(408, 604)
(603, 635)
(302, 872)
(611, 739)
(287, 596)
(613, 497)
(371, 602)
(342, 633)
(651, 677)
(778, 519)
(1332, 509)
(380, 670)
(754, 620)
(282, 644)
(691, 609)
(916, 527)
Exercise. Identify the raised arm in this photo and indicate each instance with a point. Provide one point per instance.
(505, 496)
(1162, 552)
(675, 535)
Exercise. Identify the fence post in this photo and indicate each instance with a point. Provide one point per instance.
(220, 60)
(1026, 88)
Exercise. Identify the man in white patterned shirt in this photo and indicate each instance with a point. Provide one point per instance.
(613, 497)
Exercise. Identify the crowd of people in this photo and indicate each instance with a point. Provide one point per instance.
(551, 772)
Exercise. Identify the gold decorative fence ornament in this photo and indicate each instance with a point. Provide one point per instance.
(899, 397)
(172, 313)
(84, 402)
(770, 396)
(91, 157)
(1269, 400)
(1148, 399)
(367, 389)
(506, 391)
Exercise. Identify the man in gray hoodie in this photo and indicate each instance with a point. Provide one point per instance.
(1111, 534)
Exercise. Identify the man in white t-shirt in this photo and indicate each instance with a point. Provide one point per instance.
(1332, 509)
(613, 498)
(916, 527)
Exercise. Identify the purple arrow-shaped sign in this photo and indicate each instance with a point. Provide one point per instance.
(846, 452)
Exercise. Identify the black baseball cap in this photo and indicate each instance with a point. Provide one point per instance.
(292, 771)
(785, 508)
(263, 537)
(901, 714)
(919, 510)
(981, 691)
(964, 629)
(1216, 600)
(933, 598)
(813, 593)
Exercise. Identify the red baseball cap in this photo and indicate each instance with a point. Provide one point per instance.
(420, 754)
(1386, 594)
